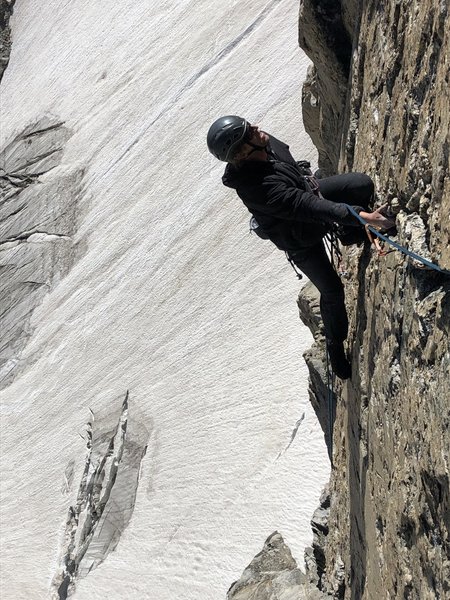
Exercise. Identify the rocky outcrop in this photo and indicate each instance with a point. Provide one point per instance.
(273, 575)
(389, 533)
(38, 217)
(6, 8)
(115, 447)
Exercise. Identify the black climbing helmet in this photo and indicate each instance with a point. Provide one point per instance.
(226, 135)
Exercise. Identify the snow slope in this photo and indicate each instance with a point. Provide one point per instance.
(169, 298)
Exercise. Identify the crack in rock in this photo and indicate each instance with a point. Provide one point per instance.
(39, 158)
(19, 180)
(106, 496)
(40, 144)
(40, 235)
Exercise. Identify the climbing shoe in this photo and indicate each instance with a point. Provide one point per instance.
(339, 363)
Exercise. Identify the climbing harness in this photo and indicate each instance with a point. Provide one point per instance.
(396, 246)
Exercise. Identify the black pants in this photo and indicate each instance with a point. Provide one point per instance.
(351, 188)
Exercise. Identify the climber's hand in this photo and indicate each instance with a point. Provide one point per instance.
(377, 219)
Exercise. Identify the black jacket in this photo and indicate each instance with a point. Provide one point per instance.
(278, 195)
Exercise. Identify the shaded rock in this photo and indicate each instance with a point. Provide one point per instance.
(309, 309)
(325, 39)
(315, 556)
(6, 8)
(35, 151)
(315, 358)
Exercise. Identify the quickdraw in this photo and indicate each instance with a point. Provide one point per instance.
(397, 246)
(332, 245)
(379, 248)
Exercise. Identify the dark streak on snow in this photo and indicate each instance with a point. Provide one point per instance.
(105, 499)
(192, 80)
(293, 434)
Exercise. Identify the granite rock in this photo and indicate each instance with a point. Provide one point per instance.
(273, 575)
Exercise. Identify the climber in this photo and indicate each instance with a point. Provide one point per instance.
(294, 217)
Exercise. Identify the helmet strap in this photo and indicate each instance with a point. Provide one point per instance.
(255, 147)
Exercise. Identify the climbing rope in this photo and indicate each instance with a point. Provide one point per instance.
(330, 388)
(293, 265)
(332, 245)
(402, 249)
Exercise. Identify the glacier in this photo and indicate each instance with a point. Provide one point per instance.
(166, 322)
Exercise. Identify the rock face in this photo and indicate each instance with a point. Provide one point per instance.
(322, 399)
(325, 35)
(389, 523)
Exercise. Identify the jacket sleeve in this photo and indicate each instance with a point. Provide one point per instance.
(277, 198)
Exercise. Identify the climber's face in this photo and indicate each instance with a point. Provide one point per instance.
(256, 136)
(254, 147)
